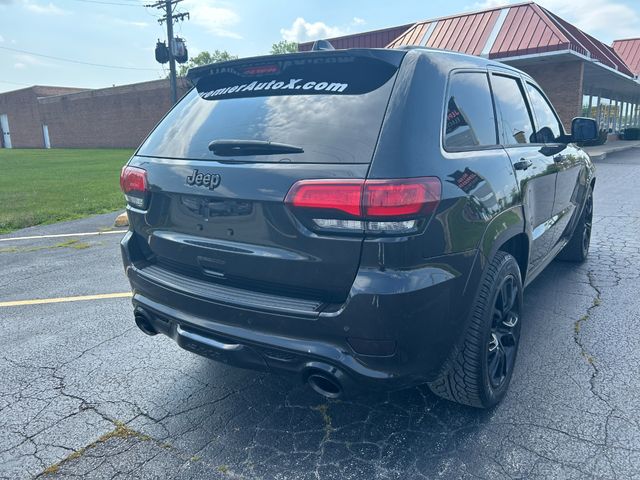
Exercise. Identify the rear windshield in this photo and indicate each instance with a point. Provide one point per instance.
(332, 111)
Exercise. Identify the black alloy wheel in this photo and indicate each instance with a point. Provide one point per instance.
(505, 333)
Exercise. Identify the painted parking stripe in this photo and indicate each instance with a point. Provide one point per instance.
(60, 235)
(39, 301)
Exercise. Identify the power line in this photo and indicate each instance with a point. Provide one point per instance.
(76, 61)
(16, 83)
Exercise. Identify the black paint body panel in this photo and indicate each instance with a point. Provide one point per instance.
(246, 272)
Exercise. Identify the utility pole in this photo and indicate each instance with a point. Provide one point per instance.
(170, 18)
(172, 61)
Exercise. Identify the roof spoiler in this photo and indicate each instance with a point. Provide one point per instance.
(264, 64)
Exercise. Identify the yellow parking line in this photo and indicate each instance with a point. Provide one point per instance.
(39, 301)
(59, 235)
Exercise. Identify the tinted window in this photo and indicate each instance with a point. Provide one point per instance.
(469, 119)
(327, 110)
(516, 126)
(547, 124)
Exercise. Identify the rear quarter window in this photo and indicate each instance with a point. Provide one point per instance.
(469, 114)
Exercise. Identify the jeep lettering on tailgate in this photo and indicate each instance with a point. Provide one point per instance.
(209, 180)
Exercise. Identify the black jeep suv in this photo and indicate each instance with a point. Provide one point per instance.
(360, 218)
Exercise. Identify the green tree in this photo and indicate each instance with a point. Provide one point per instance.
(284, 46)
(205, 58)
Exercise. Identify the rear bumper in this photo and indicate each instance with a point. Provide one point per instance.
(416, 312)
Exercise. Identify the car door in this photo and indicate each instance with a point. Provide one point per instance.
(535, 171)
(567, 159)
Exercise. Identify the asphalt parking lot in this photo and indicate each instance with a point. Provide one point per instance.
(84, 393)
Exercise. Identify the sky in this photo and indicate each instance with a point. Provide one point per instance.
(123, 33)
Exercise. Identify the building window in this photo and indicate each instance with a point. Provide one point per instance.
(603, 113)
(586, 106)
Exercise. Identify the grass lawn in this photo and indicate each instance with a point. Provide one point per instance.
(47, 186)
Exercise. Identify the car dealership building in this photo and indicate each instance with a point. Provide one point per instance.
(582, 76)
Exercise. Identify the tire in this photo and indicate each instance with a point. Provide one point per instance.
(577, 249)
(479, 369)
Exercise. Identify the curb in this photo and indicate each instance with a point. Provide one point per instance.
(602, 155)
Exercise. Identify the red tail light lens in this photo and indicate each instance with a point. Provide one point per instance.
(401, 198)
(133, 179)
(133, 182)
(374, 205)
(341, 195)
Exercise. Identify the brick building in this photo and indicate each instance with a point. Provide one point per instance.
(581, 75)
(78, 118)
(19, 109)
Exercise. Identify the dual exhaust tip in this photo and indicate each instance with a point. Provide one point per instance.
(143, 321)
(323, 379)
(325, 384)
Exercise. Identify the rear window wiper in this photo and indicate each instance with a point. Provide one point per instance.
(229, 148)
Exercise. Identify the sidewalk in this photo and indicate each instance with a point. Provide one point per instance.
(600, 152)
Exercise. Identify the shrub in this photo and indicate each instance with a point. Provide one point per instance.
(632, 133)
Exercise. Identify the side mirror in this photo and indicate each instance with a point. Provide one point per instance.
(584, 130)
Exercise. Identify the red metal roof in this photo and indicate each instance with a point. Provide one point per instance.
(510, 31)
(527, 30)
(629, 51)
(592, 46)
(464, 33)
(372, 39)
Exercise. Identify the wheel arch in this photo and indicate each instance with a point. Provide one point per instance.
(506, 232)
(518, 247)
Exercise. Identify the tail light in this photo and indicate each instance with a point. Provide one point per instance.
(133, 182)
(375, 206)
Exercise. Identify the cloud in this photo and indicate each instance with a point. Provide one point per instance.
(604, 19)
(128, 23)
(25, 60)
(489, 4)
(358, 21)
(44, 9)
(213, 17)
(1, 39)
(19, 66)
(302, 31)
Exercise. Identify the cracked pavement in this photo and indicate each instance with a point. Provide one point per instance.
(85, 394)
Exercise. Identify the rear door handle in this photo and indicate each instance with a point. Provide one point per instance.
(523, 164)
(559, 158)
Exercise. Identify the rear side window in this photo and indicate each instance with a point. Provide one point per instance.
(469, 117)
(330, 108)
(547, 124)
(515, 122)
